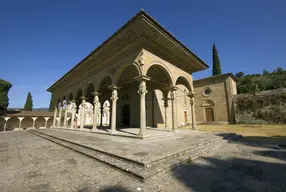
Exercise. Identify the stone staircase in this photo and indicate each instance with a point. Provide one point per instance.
(132, 167)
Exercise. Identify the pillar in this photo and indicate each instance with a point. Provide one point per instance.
(20, 122)
(192, 102)
(166, 105)
(174, 108)
(95, 107)
(34, 120)
(60, 115)
(46, 121)
(110, 112)
(101, 115)
(5, 125)
(73, 108)
(55, 116)
(142, 91)
(82, 119)
(114, 98)
(66, 114)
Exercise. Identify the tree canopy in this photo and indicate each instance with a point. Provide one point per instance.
(216, 62)
(29, 103)
(261, 82)
(4, 89)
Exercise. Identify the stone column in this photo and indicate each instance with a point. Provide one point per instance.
(5, 125)
(101, 115)
(73, 108)
(60, 115)
(66, 115)
(166, 105)
(95, 107)
(46, 121)
(110, 112)
(34, 120)
(142, 91)
(192, 102)
(174, 108)
(55, 116)
(82, 119)
(20, 122)
(114, 98)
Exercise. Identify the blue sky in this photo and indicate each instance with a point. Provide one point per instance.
(41, 40)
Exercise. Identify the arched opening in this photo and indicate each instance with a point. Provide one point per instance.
(89, 93)
(50, 122)
(40, 122)
(2, 123)
(128, 105)
(78, 99)
(183, 101)
(12, 123)
(27, 122)
(155, 109)
(70, 97)
(160, 78)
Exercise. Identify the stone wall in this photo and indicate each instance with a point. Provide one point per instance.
(215, 92)
(261, 107)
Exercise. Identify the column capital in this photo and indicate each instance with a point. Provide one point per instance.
(82, 98)
(141, 78)
(166, 99)
(114, 95)
(96, 93)
(113, 87)
(173, 88)
(191, 95)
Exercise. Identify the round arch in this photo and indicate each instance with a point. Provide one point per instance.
(125, 67)
(70, 96)
(89, 89)
(102, 78)
(40, 122)
(127, 76)
(208, 103)
(182, 80)
(160, 76)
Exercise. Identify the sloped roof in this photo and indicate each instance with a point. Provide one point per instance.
(200, 65)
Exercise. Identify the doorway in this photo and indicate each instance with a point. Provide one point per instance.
(126, 115)
(209, 114)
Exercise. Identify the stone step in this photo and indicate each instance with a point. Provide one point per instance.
(139, 170)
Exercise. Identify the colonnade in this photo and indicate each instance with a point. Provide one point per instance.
(142, 91)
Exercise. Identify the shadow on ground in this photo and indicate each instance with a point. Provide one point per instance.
(262, 141)
(114, 189)
(236, 174)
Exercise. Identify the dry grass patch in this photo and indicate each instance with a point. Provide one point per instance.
(273, 134)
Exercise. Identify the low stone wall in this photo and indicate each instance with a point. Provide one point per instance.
(261, 107)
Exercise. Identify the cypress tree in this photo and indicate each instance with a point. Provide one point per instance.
(29, 103)
(216, 62)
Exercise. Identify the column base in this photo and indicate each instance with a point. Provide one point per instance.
(94, 130)
(17, 129)
(113, 131)
(42, 128)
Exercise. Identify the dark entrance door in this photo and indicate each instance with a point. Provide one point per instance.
(209, 114)
(126, 115)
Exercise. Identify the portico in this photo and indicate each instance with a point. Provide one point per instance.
(140, 77)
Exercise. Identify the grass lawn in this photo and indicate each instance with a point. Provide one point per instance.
(271, 134)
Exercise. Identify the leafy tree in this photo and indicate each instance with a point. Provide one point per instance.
(216, 62)
(265, 72)
(4, 89)
(278, 70)
(239, 74)
(29, 103)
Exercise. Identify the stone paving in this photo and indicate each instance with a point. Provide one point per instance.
(30, 163)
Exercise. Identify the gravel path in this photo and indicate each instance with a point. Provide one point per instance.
(30, 163)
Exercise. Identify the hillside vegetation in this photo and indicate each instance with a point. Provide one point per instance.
(261, 82)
